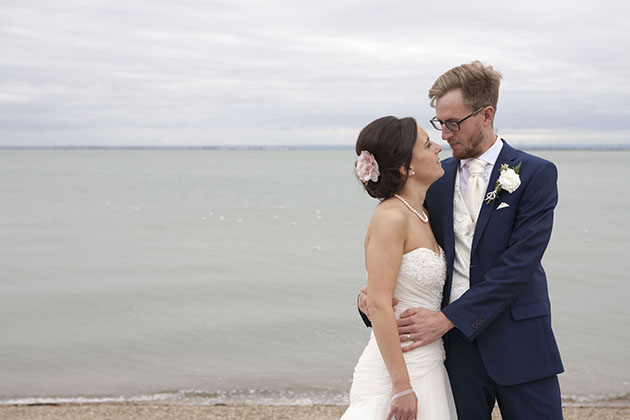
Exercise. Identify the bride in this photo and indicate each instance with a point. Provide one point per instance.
(397, 163)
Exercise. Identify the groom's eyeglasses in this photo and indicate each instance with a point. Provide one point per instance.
(451, 124)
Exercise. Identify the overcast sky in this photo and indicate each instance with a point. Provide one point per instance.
(177, 73)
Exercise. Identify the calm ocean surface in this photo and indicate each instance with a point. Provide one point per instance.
(231, 276)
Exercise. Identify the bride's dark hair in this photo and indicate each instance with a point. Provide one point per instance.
(391, 141)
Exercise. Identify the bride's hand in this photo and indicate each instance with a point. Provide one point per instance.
(404, 408)
(362, 301)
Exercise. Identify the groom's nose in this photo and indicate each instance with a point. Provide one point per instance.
(446, 133)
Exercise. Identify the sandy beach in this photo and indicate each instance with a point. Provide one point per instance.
(232, 412)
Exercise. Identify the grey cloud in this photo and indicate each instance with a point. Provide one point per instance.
(260, 72)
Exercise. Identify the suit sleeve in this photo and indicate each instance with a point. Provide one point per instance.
(365, 319)
(517, 264)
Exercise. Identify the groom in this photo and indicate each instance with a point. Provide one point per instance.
(492, 213)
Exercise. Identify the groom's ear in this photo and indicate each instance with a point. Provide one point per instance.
(488, 116)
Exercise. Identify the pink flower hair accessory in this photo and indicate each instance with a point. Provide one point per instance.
(367, 167)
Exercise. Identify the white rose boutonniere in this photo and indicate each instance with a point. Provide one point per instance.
(509, 180)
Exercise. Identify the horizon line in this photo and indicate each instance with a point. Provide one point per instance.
(293, 147)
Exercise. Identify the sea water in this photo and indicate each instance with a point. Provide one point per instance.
(231, 276)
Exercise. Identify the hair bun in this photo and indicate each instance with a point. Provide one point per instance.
(389, 140)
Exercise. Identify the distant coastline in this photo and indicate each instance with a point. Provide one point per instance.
(302, 147)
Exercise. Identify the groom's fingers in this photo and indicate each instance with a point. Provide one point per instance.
(412, 346)
(405, 327)
(402, 322)
(410, 312)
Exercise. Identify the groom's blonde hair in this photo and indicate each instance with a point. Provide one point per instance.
(479, 84)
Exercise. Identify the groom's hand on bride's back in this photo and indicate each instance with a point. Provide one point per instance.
(421, 327)
(362, 301)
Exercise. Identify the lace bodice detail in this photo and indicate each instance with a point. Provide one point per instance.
(421, 280)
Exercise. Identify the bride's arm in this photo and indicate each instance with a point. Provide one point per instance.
(384, 251)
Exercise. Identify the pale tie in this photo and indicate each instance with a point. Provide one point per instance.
(475, 188)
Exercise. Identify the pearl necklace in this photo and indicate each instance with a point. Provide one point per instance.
(422, 216)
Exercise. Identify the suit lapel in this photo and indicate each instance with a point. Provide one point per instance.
(508, 156)
(447, 189)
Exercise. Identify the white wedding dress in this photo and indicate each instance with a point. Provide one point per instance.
(420, 283)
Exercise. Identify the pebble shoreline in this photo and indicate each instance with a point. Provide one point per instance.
(134, 411)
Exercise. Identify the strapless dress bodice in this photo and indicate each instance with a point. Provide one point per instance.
(420, 280)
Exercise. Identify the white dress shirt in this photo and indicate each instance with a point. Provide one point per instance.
(491, 155)
(463, 224)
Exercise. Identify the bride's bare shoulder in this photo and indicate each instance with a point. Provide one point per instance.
(389, 215)
(388, 227)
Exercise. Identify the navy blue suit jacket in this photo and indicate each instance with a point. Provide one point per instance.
(507, 309)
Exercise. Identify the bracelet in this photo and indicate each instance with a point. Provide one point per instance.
(402, 393)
